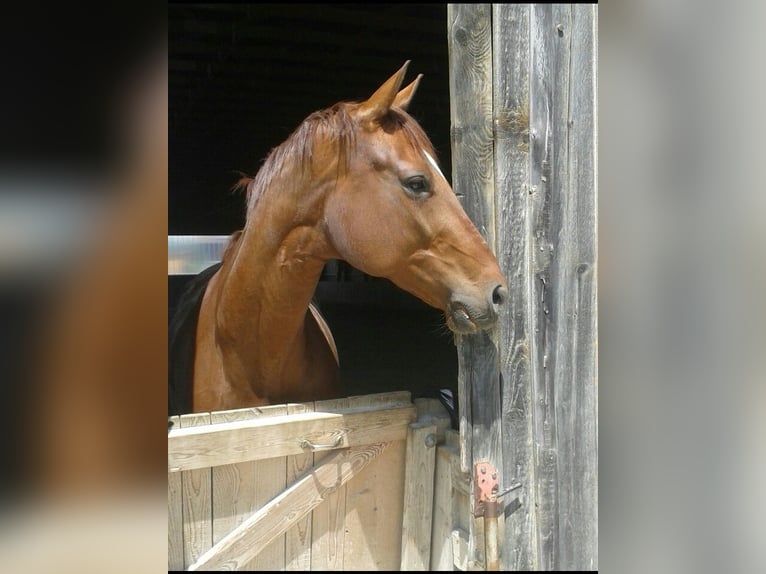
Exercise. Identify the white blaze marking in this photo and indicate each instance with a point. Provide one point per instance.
(432, 161)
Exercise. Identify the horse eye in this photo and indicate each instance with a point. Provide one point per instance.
(417, 185)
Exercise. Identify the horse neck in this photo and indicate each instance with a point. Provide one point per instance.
(267, 284)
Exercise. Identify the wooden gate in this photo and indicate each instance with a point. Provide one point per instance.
(331, 485)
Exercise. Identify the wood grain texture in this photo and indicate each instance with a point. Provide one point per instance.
(273, 519)
(270, 483)
(374, 505)
(562, 214)
(277, 436)
(234, 486)
(328, 520)
(472, 130)
(573, 289)
(298, 537)
(418, 497)
(470, 51)
(511, 118)
(443, 521)
(175, 517)
(196, 488)
(533, 174)
(544, 220)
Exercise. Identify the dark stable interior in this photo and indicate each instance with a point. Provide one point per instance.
(241, 79)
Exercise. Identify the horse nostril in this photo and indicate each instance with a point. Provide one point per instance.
(499, 295)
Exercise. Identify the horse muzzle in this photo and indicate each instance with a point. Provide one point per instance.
(467, 315)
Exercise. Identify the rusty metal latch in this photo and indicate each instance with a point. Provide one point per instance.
(485, 489)
(487, 493)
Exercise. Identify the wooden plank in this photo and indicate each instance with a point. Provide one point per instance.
(234, 485)
(461, 506)
(468, 36)
(270, 482)
(240, 489)
(282, 512)
(328, 520)
(175, 517)
(543, 218)
(470, 52)
(470, 47)
(432, 411)
(511, 100)
(573, 288)
(275, 436)
(197, 503)
(562, 302)
(374, 401)
(418, 496)
(374, 505)
(298, 538)
(443, 520)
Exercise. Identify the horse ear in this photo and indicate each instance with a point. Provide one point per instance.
(381, 101)
(404, 97)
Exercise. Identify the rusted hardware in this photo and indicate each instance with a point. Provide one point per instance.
(486, 504)
(485, 489)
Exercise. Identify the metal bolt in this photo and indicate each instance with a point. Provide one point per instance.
(431, 440)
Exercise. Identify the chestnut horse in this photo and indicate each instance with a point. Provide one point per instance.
(357, 182)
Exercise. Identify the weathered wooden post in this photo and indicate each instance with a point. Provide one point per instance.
(523, 97)
(470, 44)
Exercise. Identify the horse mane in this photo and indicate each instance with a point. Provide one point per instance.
(339, 126)
(232, 243)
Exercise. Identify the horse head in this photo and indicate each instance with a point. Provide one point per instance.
(393, 214)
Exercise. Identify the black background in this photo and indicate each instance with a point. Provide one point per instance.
(241, 78)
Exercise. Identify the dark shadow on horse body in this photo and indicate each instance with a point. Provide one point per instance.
(182, 332)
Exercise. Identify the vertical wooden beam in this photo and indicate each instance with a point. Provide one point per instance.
(544, 219)
(470, 50)
(418, 496)
(563, 310)
(175, 516)
(540, 196)
(234, 485)
(470, 47)
(270, 477)
(298, 538)
(573, 287)
(444, 520)
(327, 521)
(510, 50)
(375, 503)
(196, 487)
